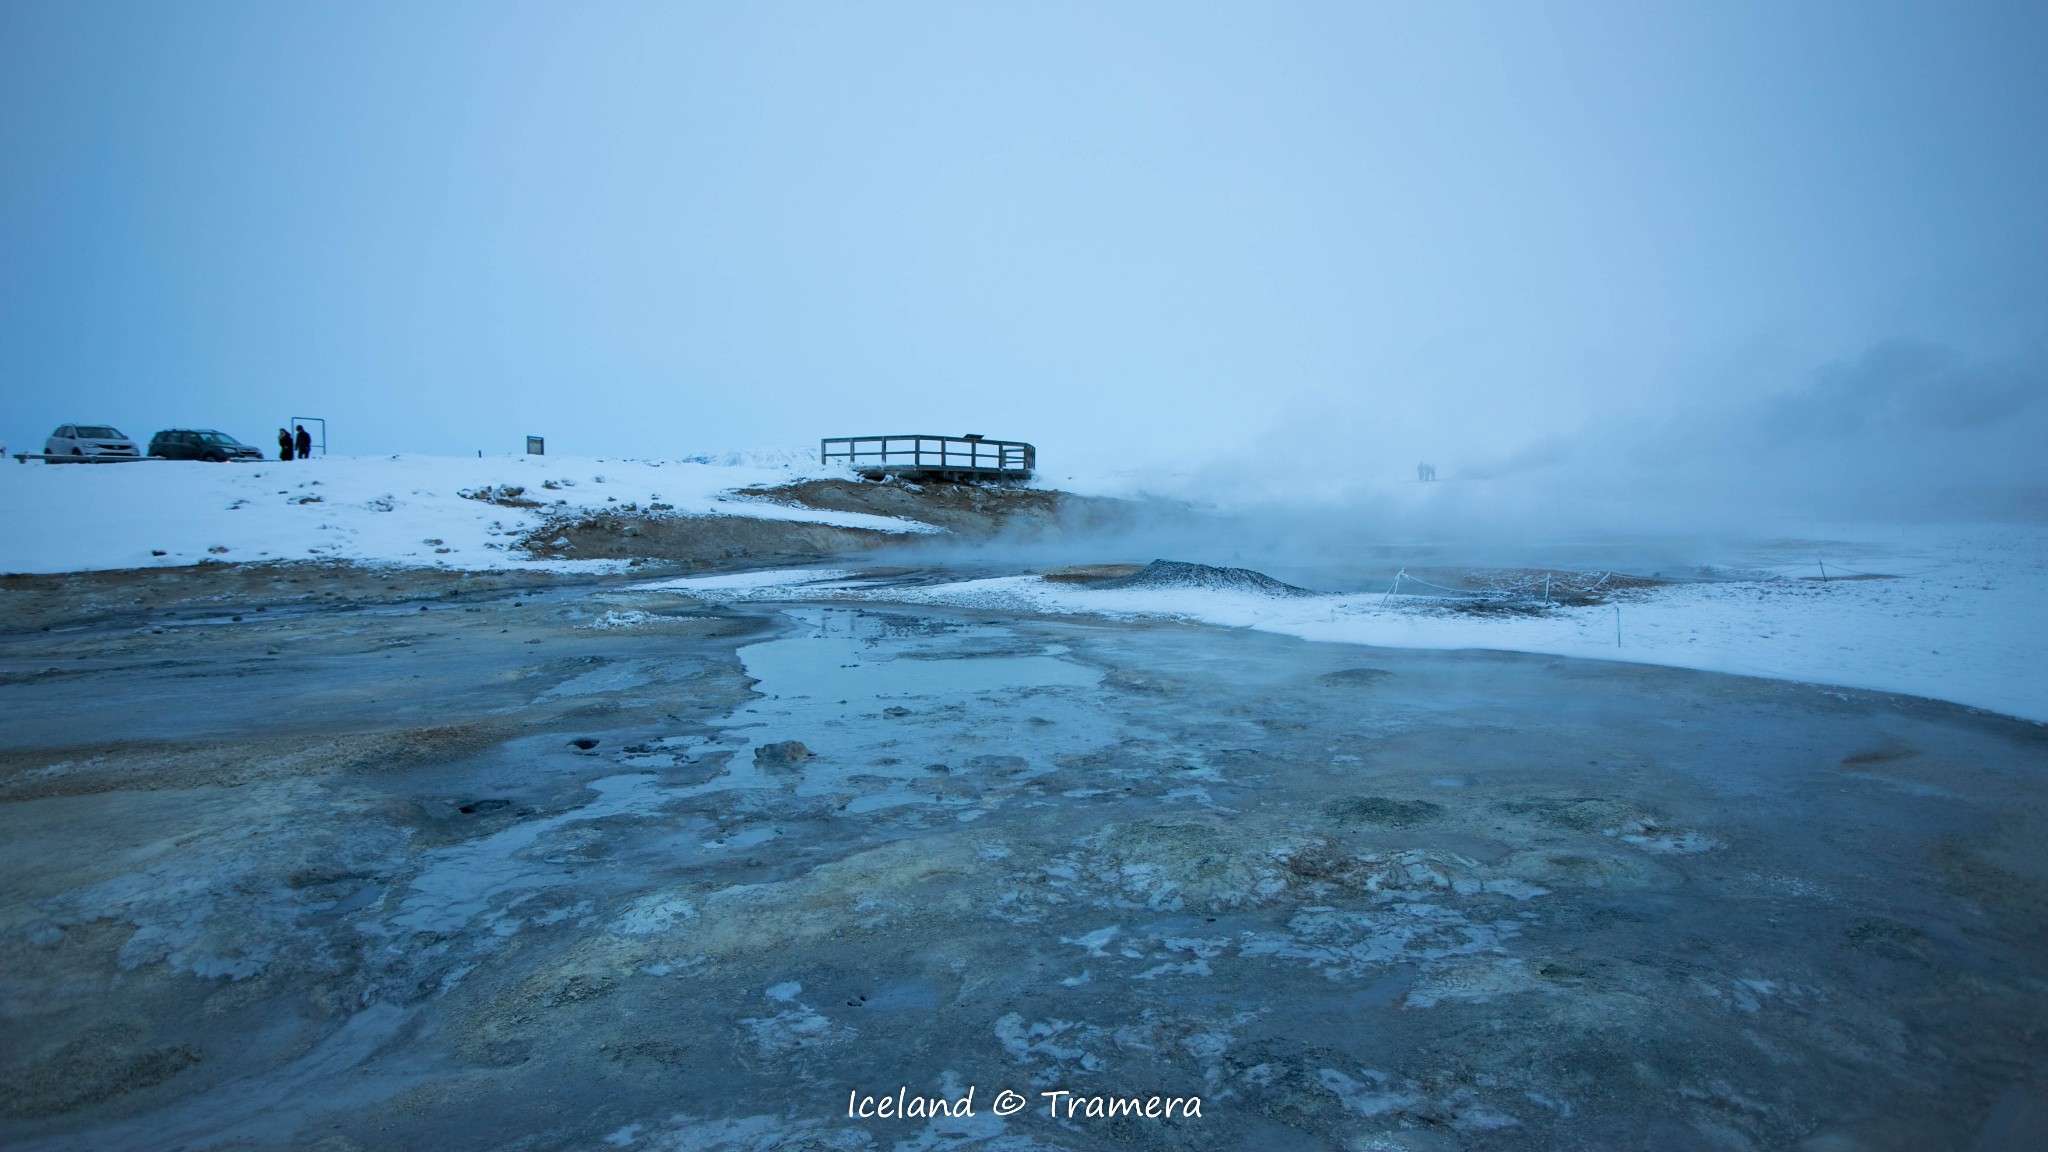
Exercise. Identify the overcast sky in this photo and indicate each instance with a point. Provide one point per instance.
(1499, 238)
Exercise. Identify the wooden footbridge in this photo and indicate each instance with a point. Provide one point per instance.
(931, 457)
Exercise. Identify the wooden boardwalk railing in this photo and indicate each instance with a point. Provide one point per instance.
(935, 457)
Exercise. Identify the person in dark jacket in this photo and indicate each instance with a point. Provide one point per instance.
(304, 443)
(284, 444)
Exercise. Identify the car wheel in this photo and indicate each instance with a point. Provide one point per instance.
(218, 457)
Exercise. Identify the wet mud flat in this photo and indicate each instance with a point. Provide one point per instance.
(584, 867)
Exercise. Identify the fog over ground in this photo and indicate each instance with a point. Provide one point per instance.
(1607, 267)
(1907, 431)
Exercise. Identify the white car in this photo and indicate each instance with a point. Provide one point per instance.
(99, 441)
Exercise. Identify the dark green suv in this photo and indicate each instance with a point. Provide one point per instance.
(200, 444)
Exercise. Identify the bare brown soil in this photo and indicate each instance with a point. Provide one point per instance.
(1518, 591)
(1089, 573)
(975, 510)
(43, 602)
(698, 543)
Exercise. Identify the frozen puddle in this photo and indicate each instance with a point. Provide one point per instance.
(460, 883)
(878, 701)
(858, 657)
(602, 681)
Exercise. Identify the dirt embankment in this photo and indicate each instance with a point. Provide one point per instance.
(697, 543)
(972, 511)
(980, 511)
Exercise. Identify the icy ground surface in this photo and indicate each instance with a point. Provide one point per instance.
(1951, 614)
(601, 868)
(409, 510)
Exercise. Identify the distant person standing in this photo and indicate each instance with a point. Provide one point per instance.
(284, 444)
(304, 443)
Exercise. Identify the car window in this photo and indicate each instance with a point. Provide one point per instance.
(99, 432)
(63, 433)
(218, 438)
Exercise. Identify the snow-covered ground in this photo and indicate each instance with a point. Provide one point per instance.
(371, 509)
(1963, 616)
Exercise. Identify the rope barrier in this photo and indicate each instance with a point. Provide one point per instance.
(1394, 587)
(1508, 592)
(1517, 589)
(1837, 570)
(1448, 588)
